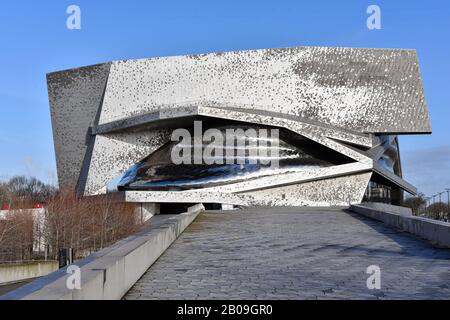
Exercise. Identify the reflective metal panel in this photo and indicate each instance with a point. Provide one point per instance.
(247, 158)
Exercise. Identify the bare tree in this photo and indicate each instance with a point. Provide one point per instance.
(87, 224)
(84, 224)
(23, 192)
(438, 211)
(16, 236)
(415, 203)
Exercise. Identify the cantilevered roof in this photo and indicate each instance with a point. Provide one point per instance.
(369, 90)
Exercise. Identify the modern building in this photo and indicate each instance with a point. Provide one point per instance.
(331, 117)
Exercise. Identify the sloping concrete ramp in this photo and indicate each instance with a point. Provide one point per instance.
(295, 253)
(258, 253)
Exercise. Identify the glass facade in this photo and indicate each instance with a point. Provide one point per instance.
(377, 192)
(379, 188)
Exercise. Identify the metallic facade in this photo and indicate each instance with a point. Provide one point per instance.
(109, 118)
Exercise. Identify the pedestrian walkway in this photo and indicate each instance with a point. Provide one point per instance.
(294, 254)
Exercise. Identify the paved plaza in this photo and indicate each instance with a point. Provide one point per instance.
(292, 253)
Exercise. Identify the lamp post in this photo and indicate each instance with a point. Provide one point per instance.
(448, 201)
(433, 208)
(428, 202)
(427, 205)
(441, 212)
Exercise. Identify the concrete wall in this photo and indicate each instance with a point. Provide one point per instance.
(437, 232)
(146, 210)
(10, 273)
(404, 211)
(111, 272)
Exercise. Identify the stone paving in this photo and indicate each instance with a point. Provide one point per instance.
(294, 253)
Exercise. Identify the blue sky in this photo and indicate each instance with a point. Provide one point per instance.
(34, 41)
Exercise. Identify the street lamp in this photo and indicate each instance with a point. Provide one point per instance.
(440, 199)
(427, 204)
(448, 200)
(441, 212)
(428, 200)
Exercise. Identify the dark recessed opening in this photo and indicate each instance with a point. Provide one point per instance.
(212, 206)
(174, 208)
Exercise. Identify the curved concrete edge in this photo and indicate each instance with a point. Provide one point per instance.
(437, 232)
(111, 272)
